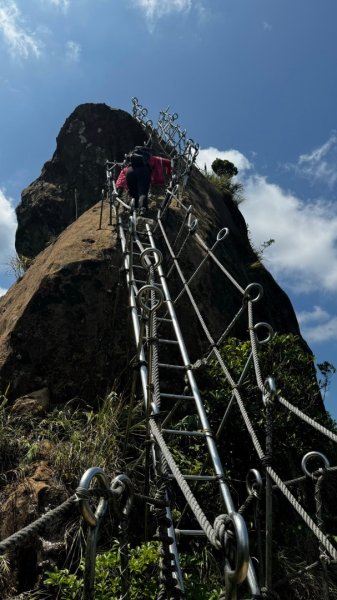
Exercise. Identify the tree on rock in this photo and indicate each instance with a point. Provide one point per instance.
(221, 178)
(224, 168)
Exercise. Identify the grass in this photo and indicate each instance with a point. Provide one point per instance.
(71, 437)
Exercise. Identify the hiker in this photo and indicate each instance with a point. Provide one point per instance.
(142, 170)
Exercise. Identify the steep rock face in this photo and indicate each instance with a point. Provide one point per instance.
(56, 323)
(64, 325)
(92, 134)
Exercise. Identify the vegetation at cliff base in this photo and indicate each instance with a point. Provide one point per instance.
(73, 437)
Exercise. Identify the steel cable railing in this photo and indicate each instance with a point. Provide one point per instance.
(214, 350)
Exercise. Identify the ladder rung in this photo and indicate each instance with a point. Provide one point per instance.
(145, 282)
(164, 341)
(167, 366)
(177, 396)
(184, 432)
(196, 477)
(164, 320)
(192, 532)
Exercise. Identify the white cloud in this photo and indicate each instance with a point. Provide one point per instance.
(73, 51)
(318, 325)
(208, 155)
(320, 164)
(2, 291)
(305, 234)
(20, 42)
(304, 255)
(8, 226)
(267, 26)
(317, 314)
(156, 9)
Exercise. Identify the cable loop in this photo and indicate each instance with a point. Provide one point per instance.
(222, 234)
(84, 488)
(314, 455)
(254, 487)
(232, 534)
(193, 226)
(147, 304)
(250, 289)
(270, 333)
(155, 254)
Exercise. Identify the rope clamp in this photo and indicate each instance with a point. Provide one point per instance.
(269, 391)
(122, 481)
(324, 558)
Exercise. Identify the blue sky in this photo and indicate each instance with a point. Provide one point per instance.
(254, 81)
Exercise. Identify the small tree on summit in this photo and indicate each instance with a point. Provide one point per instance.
(224, 168)
(223, 171)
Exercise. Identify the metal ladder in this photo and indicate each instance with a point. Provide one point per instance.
(156, 325)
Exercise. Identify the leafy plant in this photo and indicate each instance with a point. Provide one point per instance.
(327, 370)
(143, 564)
(286, 359)
(259, 253)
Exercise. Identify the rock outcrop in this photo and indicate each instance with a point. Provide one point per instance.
(56, 324)
(92, 134)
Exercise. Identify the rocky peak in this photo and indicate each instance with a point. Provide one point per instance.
(63, 325)
(92, 134)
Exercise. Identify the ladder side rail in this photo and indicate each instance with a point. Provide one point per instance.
(134, 312)
(213, 451)
(194, 387)
(144, 380)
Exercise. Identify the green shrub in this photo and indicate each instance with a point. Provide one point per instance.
(143, 565)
